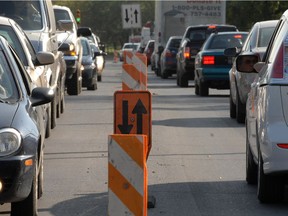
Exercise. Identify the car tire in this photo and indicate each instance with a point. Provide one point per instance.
(48, 122)
(240, 109)
(270, 188)
(251, 166)
(196, 89)
(203, 89)
(53, 112)
(62, 104)
(164, 74)
(59, 97)
(74, 85)
(41, 176)
(232, 107)
(29, 205)
(99, 78)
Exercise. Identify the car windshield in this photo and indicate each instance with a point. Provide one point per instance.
(8, 88)
(131, 46)
(9, 34)
(226, 41)
(85, 47)
(61, 15)
(26, 13)
(264, 36)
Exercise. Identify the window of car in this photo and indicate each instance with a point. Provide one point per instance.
(86, 48)
(226, 41)
(9, 34)
(277, 41)
(264, 36)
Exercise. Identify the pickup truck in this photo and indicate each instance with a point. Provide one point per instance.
(192, 40)
(37, 19)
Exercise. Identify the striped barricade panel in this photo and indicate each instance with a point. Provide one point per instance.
(127, 175)
(132, 79)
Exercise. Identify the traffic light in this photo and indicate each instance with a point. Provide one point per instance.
(78, 16)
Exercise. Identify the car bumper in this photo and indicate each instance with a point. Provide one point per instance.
(16, 178)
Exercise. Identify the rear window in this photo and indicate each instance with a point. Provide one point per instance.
(226, 41)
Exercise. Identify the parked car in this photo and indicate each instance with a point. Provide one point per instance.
(240, 83)
(193, 39)
(22, 134)
(168, 62)
(99, 57)
(18, 39)
(130, 47)
(73, 56)
(266, 118)
(211, 65)
(149, 50)
(89, 73)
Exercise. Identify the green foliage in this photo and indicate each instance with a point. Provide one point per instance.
(104, 18)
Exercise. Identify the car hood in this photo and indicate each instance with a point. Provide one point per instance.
(8, 112)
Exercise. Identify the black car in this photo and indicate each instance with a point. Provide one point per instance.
(89, 73)
(22, 134)
(193, 39)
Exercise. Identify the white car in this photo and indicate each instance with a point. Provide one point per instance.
(256, 42)
(267, 118)
(130, 47)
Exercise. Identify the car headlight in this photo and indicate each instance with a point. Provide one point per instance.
(10, 140)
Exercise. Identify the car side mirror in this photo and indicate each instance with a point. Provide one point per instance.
(245, 63)
(44, 58)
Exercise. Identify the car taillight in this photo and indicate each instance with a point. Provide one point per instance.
(277, 70)
(187, 53)
(208, 60)
(282, 145)
(168, 53)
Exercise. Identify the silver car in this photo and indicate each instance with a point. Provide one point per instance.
(256, 42)
(267, 118)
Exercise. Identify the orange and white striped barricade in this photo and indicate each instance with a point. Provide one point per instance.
(134, 77)
(127, 175)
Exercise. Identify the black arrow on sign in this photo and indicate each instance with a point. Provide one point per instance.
(125, 128)
(136, 17)
(139, 109)
(126, 18)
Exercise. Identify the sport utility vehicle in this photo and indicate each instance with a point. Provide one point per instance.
(73, 57)
(192, 40)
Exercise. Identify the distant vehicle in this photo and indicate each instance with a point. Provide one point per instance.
(240, 83)
(193, 39)
(22, 134)
(211, 65)
(168, 62)
(89, 72)
(173, 17)
(266, 118)
(129, 47)
(73, 57)
(32, 61)
(149, 50)
(99, 56)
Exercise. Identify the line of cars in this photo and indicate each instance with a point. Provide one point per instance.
(32, 87)
(257, 75)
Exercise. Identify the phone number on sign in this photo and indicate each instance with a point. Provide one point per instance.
(196, 8)
(206, 14)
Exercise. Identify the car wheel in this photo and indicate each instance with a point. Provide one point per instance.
(41, 176)
(240, 109)
(48, 122)
(62, 104)
(99, 78)
(74, 84)
(59, 97)
(196, 88)
(251, 166)
(53, 112)
(203, 89)
(28, 206)
(183, 81)
(232, 106)
(164, 74)
(270, 188)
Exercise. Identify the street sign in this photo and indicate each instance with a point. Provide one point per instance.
(131, 16)
(132, 113)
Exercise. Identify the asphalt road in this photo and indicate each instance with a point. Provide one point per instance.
(196, 166)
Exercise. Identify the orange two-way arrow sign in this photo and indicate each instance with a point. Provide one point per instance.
(132, 113)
